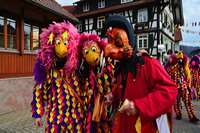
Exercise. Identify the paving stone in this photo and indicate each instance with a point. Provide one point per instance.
(22, 122)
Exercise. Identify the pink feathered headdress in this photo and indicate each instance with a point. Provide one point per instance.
(92, 37)
(46, 53)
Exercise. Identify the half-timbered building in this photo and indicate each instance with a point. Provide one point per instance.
(21, 22)
(154, 21)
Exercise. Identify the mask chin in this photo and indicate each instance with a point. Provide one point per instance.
(92, 61)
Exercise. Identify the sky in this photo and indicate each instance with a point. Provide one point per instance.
(191, 12)
(66, 2)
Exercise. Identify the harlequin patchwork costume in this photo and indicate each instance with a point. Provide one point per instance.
(97, 74)
(57, 83)
(178, 69)
(195, 76)
(140, 79)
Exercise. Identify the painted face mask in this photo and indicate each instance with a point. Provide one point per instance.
(60, 45)
(91, 53)
(118, 46)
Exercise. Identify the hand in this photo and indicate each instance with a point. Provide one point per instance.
(38, 122)
(141, 51)
(108, 99)
(130, 108)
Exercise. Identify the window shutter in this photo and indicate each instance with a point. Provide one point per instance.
(150, 13)
(95, 23)
(135, 14)
(151, 41)
(83, 26)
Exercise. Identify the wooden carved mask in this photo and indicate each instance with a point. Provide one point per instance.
(91, 53)
(118, 46)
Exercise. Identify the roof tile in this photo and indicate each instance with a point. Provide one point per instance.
(53, 5)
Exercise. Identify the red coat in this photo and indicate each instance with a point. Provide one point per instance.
(153, 93)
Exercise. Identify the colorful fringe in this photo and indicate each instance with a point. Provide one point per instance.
(98, 83)
(177, 73)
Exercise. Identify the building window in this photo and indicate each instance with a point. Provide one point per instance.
(79, 27)
(142, 15)
(8, 38)
(27, 37)
(1, 32)
(100, 21)
(85, 7)
(142, 41)
(12, 34)
(31, 37)
(126, 1)
(36, 34)
(101, 3)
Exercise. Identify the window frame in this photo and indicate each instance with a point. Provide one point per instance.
(29, 38)
(101, 4)
(3, 33)
(32, 37)
(36, 27)
(86, 7)
(142, 12)
(102, 20)
(142, 39)
(126, 1)
(79, 27)
(6, 35)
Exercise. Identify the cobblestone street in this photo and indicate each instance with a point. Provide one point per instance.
(21, 122)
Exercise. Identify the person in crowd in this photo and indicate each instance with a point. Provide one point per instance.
(96, 77)
(178, 69)
(144, 92)
(166, 56)
(195, 77)
(57, 81)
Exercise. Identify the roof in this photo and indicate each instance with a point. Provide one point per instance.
(70, 9)
(53, 7)
(178, 34)
(113, 8)
(79, 1)
(177, 9)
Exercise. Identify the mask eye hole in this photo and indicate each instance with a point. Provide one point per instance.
(57, 41)
(118, 42)
(86, 51)
(66, 42)
(109, 39)
(94, 49)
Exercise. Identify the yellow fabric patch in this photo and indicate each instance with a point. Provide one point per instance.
(38, 111)
(138, 126)
(55, 75)
(50, 38)
(65, 35)
(70, 126)
(105, 76)
(78, 127)
(73, 116)
(75, 83)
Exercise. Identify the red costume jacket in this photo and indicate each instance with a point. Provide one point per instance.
(152, 91)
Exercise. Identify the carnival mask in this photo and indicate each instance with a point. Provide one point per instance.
(60, 46)
(91, 53)
(118, 46)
